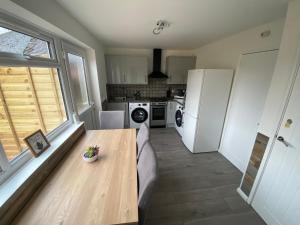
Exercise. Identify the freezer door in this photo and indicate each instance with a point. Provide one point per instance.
(193, 92)
(189, 130)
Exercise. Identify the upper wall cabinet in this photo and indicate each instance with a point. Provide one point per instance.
(126, 69)
(114, 69)
(177, 68)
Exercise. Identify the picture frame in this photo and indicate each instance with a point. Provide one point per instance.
(37, 142)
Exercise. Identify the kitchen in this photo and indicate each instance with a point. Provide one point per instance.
(160, 93)
(186, 110)
(158, 99)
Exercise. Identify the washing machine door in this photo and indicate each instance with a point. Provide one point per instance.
(139, 115)
(178, 118)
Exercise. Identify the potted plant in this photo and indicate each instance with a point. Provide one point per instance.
(91, 154)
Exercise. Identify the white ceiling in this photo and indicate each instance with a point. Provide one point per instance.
(129, 23)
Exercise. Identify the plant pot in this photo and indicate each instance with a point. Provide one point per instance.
(89, 160)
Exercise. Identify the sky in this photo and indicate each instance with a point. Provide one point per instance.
(3, 30)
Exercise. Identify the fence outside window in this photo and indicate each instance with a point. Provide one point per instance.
(30, 99)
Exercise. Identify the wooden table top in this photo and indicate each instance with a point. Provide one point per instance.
(99, 193)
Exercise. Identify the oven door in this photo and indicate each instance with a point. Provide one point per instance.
(158, 116)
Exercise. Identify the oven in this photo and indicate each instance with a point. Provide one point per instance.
(158, 115)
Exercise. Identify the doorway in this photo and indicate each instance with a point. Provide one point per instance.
(251, 84)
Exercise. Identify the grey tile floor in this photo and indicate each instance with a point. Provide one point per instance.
(195, 188)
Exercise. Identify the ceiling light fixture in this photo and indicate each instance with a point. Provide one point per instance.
(160, 25)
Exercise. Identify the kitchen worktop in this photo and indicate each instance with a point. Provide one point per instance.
(142, 99)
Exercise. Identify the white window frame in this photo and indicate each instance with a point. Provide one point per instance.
(17, 59)
(56, 61)
(75, 50)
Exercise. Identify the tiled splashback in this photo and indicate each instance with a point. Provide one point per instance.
(155, 88)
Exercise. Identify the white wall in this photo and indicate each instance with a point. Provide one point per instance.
(48, 15)
(149, 54)
(225, 53)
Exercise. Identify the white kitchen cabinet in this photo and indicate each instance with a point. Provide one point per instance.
(126, 69)
(136, 70)
(177, 68)
(114, 69)
(122, 106)
(171, 110)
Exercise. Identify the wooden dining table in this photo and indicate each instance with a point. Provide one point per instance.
(79, 193)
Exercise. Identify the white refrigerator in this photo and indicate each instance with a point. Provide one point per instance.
(207, 97)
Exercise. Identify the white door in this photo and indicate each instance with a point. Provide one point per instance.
(193, 92)
(75, 59)
(249, 92)
(277, 199)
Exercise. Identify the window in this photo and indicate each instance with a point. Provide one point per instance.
(34, 90)
(21, 44)
(77, 77)
(30, 99)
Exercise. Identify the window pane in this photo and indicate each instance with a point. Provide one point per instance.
(22, 44)
(30, 99)
(77, 74)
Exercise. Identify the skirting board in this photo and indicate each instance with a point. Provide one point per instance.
(242, 194)
(235, 161)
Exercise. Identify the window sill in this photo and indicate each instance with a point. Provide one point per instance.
(11, 185)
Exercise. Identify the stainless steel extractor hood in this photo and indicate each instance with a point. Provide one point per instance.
(156, 73)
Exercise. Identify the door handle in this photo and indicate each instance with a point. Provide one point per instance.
(281, 139)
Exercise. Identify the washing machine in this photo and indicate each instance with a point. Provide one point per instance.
(179, 118)
(139, 112)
